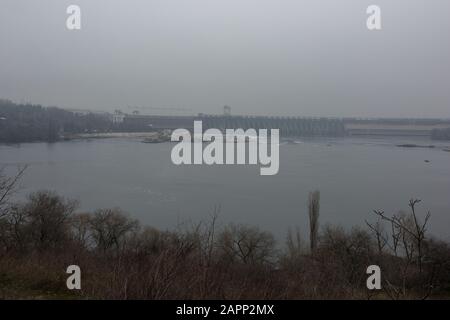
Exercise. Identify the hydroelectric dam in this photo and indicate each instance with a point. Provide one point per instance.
(288, 126)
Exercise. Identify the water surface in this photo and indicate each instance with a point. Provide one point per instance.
(354, 175)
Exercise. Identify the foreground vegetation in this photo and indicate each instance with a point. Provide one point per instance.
(120, 259)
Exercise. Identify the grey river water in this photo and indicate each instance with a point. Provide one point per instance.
(354, 175)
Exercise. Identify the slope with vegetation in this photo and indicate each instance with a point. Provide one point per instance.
(120, 259)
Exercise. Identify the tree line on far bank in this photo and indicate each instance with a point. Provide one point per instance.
(30, 123)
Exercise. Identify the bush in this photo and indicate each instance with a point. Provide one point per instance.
(121, 260)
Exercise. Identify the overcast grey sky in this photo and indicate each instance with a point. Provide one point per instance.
(271, 57)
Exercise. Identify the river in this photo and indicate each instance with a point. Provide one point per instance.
(354, 176)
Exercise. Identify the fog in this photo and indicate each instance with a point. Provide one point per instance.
(263, 57)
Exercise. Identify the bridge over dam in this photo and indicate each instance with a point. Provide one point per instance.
(288, 126)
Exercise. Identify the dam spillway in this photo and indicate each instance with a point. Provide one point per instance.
(288, 126)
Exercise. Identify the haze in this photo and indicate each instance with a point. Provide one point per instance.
(263, 57)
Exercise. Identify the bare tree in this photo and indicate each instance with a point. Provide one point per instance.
(110, 226)
(380, 235)
(412, 228)
(8, 187)
(247, 244)
(313, 211)
(47, 219)
(408, 244)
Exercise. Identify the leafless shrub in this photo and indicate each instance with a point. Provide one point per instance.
(120, 260)
(247, 244)
(40, 224)
(47, 215)
(345, 257)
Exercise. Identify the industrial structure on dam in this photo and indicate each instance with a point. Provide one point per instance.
(288, 126)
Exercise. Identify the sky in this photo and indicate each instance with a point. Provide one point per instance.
(261, 57)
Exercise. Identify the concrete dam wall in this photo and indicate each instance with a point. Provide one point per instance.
(288, 126)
